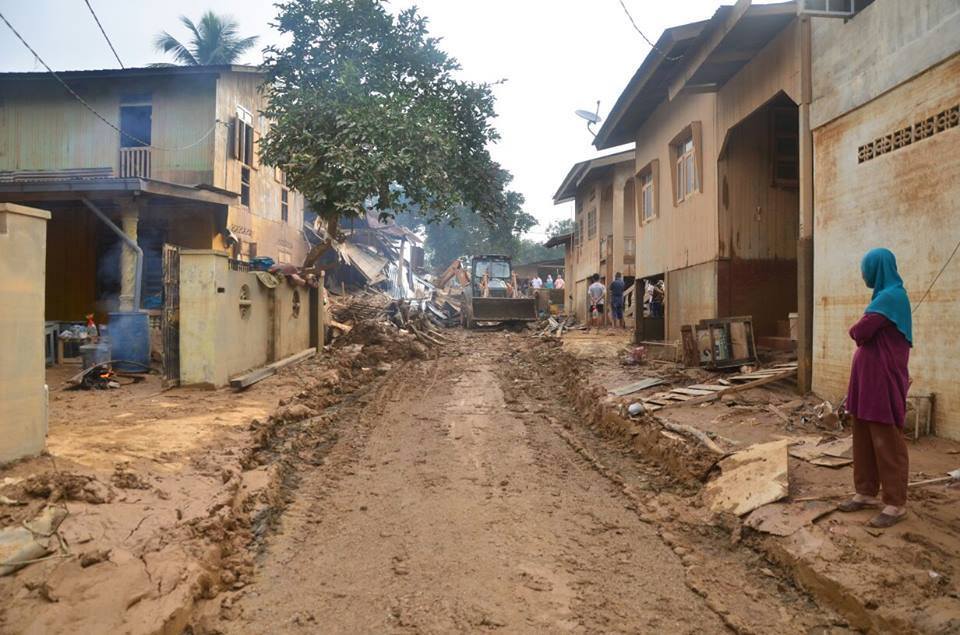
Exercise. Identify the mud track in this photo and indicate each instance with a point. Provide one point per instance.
(459, 499)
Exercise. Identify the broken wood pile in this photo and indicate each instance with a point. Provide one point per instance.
(553, 327)
(702, 393)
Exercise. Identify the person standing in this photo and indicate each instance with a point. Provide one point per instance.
(595, 294)
(558, 283)
(617, 288)
(549, 282)
(877, 393)
(536, 282)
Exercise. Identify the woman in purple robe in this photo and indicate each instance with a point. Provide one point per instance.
(877, 394)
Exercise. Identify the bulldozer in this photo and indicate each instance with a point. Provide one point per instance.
(490, 292)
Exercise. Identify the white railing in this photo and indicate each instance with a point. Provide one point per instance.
(134, 162)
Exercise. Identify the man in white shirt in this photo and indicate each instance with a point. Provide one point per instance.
(536, 283)
(596, 292)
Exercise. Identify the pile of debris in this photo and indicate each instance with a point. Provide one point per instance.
(556, 326)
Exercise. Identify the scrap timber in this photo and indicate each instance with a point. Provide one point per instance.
(702, 393)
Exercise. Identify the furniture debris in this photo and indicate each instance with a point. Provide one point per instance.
(725, 342)
(920, 408)
(749, 479)
(702, 393)
(835, 453)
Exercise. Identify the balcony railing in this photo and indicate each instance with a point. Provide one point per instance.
(134, 162)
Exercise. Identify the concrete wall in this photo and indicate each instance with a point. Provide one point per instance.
(23, 399)
(217, 339)
(890, 41)
(908, 200)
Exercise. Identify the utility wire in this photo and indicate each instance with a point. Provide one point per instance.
(94, 110)
(942, 269)
(646, 39)
(109, 43)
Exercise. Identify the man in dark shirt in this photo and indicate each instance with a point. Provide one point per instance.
(616, 300)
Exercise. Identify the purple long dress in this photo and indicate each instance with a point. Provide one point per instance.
(879, 378)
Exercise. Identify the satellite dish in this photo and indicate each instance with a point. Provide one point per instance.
(589, 116)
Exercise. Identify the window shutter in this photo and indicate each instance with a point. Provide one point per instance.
(235, 139)
(655, 177)
(256, 150)
(696, 131)
(674, 155)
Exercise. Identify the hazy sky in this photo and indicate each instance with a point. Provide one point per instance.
(556, 55)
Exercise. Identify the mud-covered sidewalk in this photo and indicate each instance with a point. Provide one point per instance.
(168, 493)
(904, 579)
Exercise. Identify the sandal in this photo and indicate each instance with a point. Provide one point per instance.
(855, 506)
(885, 521)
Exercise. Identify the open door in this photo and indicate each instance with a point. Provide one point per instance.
(170, 321)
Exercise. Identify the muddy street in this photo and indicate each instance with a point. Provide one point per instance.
(450, 503)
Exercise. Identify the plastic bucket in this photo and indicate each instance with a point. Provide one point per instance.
(130, 339)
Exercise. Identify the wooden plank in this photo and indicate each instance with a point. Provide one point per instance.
(693, 392)
(637, 386)
(710, 387)
(738, 388)
(248, 379)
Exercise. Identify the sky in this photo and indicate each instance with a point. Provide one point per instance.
(555, 55)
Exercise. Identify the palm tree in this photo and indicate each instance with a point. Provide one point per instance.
(215, 41)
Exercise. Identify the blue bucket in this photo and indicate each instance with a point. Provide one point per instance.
(130, 339)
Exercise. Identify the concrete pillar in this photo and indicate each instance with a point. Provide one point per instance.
(130, 218)
(805, 244)
(23, 399)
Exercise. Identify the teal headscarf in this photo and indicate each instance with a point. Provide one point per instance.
(879, 268)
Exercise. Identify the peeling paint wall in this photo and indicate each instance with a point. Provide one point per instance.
(220, 336)
(23, 399)
(908, 200)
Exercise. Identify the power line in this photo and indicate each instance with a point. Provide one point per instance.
(646, 39)
(942, 269)
(97, 20)
(94, 110)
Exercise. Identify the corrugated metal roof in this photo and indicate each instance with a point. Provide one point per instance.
(568, 189)
(144, 71)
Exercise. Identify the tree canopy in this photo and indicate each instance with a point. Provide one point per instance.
(367, 107)
(214, 40)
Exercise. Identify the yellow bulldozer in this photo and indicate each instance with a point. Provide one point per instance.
(490, 292)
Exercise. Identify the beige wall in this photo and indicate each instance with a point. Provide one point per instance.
(23, 399)
(43, 128)
(683, 234)
(691, 297)
(216, 341)
(890, 41)
(261, 221)
(906, 200)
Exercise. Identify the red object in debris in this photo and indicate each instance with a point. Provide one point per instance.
(639, 354)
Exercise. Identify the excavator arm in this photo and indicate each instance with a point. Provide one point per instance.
(455, 270)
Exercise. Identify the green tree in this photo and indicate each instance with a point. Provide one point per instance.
(214, 40)
(560, 227)
(366, 106)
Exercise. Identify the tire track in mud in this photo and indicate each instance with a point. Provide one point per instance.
(445, 506)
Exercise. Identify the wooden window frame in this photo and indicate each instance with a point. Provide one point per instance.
(650, 173)
(285, 205)
(692, 134)
(591, 223)
(245, 185)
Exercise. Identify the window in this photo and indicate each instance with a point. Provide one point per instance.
(245, 186)
(686, 169)
(786, 148)
(280, 176)
(243, 137)
(135, 125)
(647, 194)
(284, 206)
(592, 224)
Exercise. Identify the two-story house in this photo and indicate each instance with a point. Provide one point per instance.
(164, 155)
(713, 113)
(603, 242)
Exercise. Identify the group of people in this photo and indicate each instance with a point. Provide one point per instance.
(596, 295)
(550, 283)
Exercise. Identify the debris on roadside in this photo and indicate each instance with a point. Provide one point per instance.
(555, 326)
(750, 478)
(30, 542)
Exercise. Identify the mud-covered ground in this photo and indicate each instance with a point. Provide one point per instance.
(467, 495)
